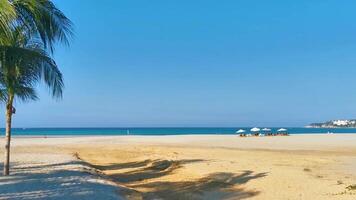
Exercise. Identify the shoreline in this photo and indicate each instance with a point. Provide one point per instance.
(158, 135)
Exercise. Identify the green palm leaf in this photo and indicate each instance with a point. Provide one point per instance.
(40, 18)
(45, 21)
(24, 67)
(7, 15)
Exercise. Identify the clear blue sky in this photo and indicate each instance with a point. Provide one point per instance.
(203, 63)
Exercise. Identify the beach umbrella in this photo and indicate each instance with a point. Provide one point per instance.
(255, 129)
(266, 129)
(240, 131)
(282, 130)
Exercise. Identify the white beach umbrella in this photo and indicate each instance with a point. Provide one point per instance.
(266, 129)
(255, 129)
(282, 130)
(240, 131)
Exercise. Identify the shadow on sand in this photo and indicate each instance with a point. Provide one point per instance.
(54, 181)
(141, 175)
(61, 182)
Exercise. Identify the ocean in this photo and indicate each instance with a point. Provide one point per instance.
(161, 131)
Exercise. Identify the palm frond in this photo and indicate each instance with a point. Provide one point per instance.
(3, 96)
(45, 21)
(7, 15)
(29, 30)
(26, 93)
(25, 67)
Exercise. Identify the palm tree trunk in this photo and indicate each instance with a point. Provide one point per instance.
(8, 135)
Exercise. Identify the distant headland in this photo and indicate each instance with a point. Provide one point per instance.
(348, 123)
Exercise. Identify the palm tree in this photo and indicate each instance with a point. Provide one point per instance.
(24, 64)
(29, 30)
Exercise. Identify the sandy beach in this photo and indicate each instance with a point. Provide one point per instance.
(177, 100)
(183, 167)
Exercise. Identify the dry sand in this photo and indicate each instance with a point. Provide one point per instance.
(212, 166)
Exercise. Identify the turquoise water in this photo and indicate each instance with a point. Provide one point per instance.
(161, 131)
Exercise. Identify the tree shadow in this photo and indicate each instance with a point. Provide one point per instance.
(117, 166)
(153, 169)
(34, 183)
(41, 166)
(222, 185)
(46, 182)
